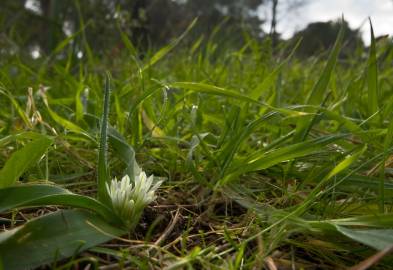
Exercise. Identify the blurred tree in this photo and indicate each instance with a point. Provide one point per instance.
(285, 5)
(320, 36)
(45, 23)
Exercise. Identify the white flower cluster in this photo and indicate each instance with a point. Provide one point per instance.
(129, 199)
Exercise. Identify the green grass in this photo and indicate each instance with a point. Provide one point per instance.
(266, 158)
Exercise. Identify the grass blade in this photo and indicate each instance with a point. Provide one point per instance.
(266, 160)
(102, 170)
(165, 50)
(372, 76)
(316, 96)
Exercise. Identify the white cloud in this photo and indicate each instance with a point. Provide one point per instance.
(356, 12)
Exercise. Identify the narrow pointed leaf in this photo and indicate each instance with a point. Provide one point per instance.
(372, 76)
(266, 160)
(102, 170)
(318, 91)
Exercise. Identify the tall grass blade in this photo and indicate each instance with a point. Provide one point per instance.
(165, 50)
(270, 79)
(102, 170)
(372, 77)
(318, 91)
(266, 160)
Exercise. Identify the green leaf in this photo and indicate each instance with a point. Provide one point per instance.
(234, 142)
(20, 136)
(22, 159)
(271, 78)
(121, 148)
(317, 93)
(124, 152)
(219, 91)
(213, 90)
(42, 195)
(344, 164)
(50, 238)
(127, 42)
(371, 230)
(265, 160)
(165, 50)
(18, 108)
(372, 77)
(386, 145)
(68, 124)
(78, 103)
(378, 239)
(375, 220)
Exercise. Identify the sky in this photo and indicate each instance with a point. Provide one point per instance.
(356, 12)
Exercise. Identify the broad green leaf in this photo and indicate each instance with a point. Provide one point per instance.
(25, 135)
(53, 237)
(376, 220)
(378, 239)
(371, 230)
(20, 136)
(42, 195)
(22, 159)
(124, 152)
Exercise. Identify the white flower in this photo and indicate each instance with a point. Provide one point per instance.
(129, 199)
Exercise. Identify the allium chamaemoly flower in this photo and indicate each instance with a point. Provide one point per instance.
(129, 199)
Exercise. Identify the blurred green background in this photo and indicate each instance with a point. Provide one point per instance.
(36, 27)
